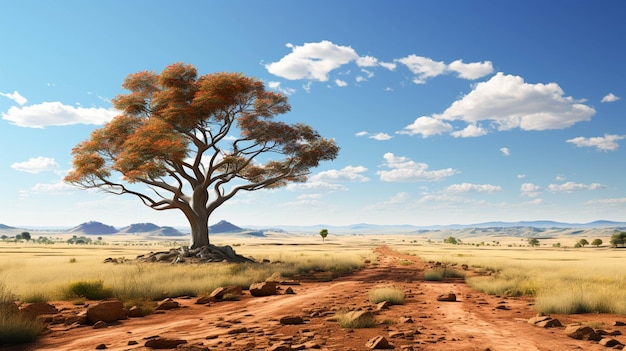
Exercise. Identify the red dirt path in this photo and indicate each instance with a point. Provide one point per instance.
(473, 322)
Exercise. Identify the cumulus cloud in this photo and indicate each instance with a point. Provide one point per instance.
(606, 143)
(313, 61)
(346, 174)
(471, 131)
(49, 114)
(276, 86)
(52, 188)
(402, 169)
(610, 98)
(36, 165)
(316, 186)
(530, 190)
(505, 151)
(341, 83)
(15, 96)
(571, 187)
(423, 67)
(509, 102)
(472, 70)
(427, 126)
(377, 136)
(472, 188)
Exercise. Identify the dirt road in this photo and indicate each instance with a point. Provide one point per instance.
(474, 322)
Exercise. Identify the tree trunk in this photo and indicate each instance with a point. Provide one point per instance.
(199, 231)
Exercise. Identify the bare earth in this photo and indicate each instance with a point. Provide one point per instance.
(474, 322)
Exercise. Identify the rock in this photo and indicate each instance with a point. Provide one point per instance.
(405, 320)
(167, 304)
(581, 332)
(101, 346)
(100, 325)
(449, 297)
(132, 342)
(198, 347)
(549, 323)
(383, 305)
(291, 320)
(219, 293)
(619, 324)
(135, 312)
(164, 343)
(358, 317)
(610, 342)
(378, 343)
(263, 289)
(37, 309)
(106, 311)
(289, 291)
(204, 300)
(280, 347)
(539, 318)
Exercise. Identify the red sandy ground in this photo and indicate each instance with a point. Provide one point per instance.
(471, 323)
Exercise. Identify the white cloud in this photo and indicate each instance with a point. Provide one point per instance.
(315, 186)
(606, 143)
(15, 96)
(313, 61)
(472, 188)
(472, 70)
(610, 98)
(276, 86)
(388, 65)
(426, 126)
(610, 201)
(521, 176)
(470, 131)
(348, 173)
(399, 198)
(341, 83)
(57, 114)
(367, 61)
(36, 165)
(52, 188)
(505, 151)
(403, 169)
(423, 67)
(530, 190)
(377, 136)
(508, 102)
(571, 186)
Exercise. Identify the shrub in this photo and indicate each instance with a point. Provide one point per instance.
(346, 321)
(91, 290)
(438, 274)
(15, 328)
(393, 296)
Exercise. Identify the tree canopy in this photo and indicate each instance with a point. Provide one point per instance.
(196, 142)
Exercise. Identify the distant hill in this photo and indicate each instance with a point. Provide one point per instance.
(224, 227)
(2, 226)
(94, 228)
(140, 228)
(167, 231)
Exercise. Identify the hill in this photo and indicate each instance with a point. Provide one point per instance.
(224, 227)
(140, 228)
(94, 228)
(167, 231)
(2, 226)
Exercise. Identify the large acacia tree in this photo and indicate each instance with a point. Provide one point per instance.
(192, 143)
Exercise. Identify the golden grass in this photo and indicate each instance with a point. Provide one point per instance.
(562, 281)
(393, 296)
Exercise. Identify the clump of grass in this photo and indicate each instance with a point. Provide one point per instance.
(346, 319)
(438, 274)
(15, 327)
(393, 296)
(91, 290)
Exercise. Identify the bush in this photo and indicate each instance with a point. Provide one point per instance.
(438, 274)
(15, 328)
(393, 296)
(91, 290)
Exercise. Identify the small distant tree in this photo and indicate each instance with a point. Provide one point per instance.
(533, 242)
(26, 236)
(18, 237)
(556, 245)
(583, 242)
(596, 242)
(450, 240)
(618, 239)
(324, 234)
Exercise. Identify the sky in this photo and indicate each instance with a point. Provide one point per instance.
(446, 112)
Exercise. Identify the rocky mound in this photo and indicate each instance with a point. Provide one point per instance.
(95, 228)
(224, 227)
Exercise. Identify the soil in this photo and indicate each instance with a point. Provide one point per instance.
(475, 321)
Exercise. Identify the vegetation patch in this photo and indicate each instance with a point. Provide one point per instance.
(91, 290)
(392, 295)
(15, 327)
(347, 319)
(438, 274)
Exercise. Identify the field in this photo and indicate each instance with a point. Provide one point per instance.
(572, 283)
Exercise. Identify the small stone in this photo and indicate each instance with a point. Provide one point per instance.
(101, 347)
(609, 342)
(167, 304)
(164, 343)
(449, 297)
(378, 343)
(289, 291)
(100, 325)
(289, 320)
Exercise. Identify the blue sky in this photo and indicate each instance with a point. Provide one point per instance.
(445, 111)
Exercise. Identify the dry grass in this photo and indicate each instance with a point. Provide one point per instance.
(392, 295)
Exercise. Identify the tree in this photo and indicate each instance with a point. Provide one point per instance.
(533, 242)
(596, 242)
(583, 242)
(175, 135)
(324, 234)
(618, 239)
(450, 240)
(26, 236)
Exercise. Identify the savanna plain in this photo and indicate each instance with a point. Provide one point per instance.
(348, 292)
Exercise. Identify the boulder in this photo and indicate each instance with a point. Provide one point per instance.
(204, 300)
(291, 320)
(37, 309)
(167, 304)
(263, 289)
(358, 317)
(378, 343)
(581, 332)
(164, 343)
(610, 342)
(219, 293)
(135, 311)
(449, 297)
(106, 311)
